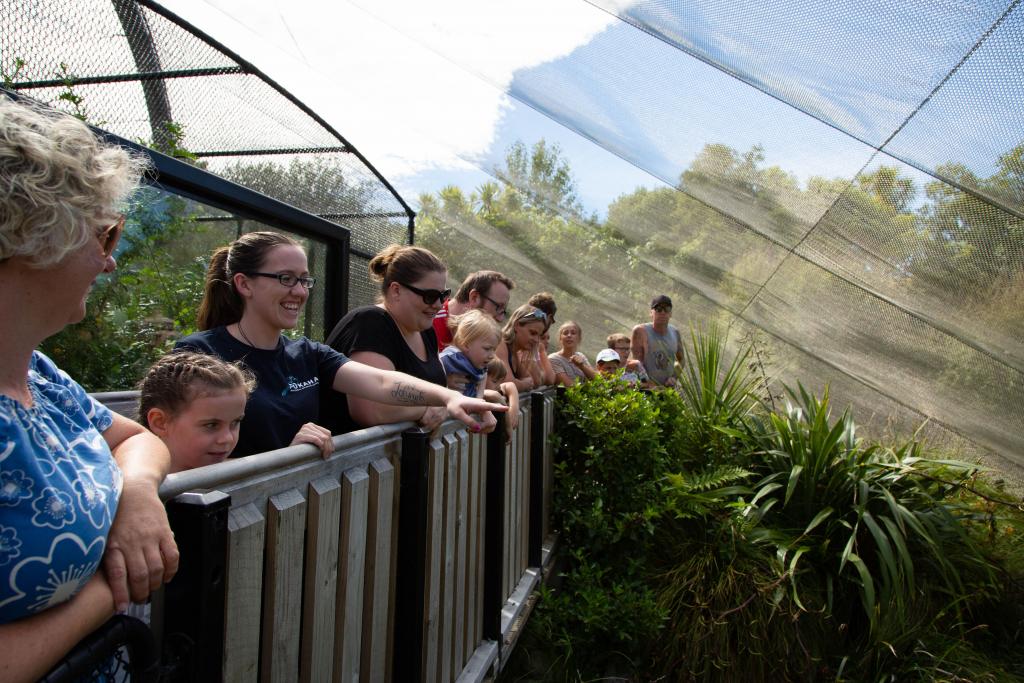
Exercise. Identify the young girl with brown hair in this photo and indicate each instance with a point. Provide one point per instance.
(195, 403)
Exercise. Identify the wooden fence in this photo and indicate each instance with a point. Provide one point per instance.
(402, 557)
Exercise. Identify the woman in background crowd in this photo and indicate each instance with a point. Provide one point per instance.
(519, 346)
(569, 363)
(545, 301)
(78, 483)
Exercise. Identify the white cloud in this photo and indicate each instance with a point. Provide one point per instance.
(375, 70)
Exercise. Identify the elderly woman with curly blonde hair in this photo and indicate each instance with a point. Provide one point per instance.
(78, 483)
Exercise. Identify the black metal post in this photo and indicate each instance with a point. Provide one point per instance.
(407, 662)
(97, 648)
(193, 634)
(537, 443)
(140, 41)
(494, 531)
(336, 275)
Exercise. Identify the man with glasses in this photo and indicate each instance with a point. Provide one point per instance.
(487, 290)
(658, 345)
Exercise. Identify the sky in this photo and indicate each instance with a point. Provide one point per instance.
(432, 93)
(418, 116)
(422, 89)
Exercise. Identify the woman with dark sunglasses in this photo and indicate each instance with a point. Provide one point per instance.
(256, 288)
(78, 483)
(396, 333)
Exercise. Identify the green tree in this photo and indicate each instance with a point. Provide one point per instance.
(133, 315)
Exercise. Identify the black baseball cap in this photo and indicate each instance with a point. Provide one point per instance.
(661, 300)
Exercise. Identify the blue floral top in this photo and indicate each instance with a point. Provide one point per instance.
(59, 488)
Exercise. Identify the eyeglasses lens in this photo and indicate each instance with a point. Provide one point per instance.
(110, 236)
(289, 280)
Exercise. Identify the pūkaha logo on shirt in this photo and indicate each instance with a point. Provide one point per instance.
(295, 385)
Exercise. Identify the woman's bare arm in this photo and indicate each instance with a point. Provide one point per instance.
(33, 645)
(371, 413)
(399, 389)
(141, 553)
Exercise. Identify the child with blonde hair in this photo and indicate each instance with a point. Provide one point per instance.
(195, 403)
(471, 353)
(473, 344)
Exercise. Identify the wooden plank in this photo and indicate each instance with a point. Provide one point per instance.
(471, 467)
(446, 612)
(516, 612)
(246, 531)
(396, 504)
(282, 587)
(435, 541)
(321, 580)
(481, 516)
(377, 573)
(355, 486)
(461, 569)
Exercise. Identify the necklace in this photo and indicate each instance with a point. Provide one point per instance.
(245, 336)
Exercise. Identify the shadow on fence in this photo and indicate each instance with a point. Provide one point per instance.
(405, 556)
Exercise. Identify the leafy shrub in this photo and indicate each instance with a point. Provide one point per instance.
(133, 315)
(752, 545)
(605, 501)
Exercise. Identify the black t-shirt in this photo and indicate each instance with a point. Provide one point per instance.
(287, 393)
(371, 328)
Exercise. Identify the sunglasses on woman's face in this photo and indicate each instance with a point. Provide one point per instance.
(430, 296)
(536, 314)
(109, 236)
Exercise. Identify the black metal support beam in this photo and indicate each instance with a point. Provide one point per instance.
(140, 41)
(193, 635)
(411, 563)
(147, 76)
(535, 541)
(271, 152)
(494, 531)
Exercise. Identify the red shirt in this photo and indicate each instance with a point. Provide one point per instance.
(444, 335)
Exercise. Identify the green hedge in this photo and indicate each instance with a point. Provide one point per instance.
(707, 538)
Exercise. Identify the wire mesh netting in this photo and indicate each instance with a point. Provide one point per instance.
(843, 183)
(845, 180)
(137, 73)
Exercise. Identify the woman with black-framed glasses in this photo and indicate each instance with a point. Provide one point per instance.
(256, 287)
(396, 333)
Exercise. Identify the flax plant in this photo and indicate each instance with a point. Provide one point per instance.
(849, 520)
(717, 395)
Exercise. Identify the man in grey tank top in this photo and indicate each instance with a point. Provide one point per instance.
(657, 344)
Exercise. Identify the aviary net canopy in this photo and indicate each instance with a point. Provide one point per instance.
(138, 71)
(843, 182)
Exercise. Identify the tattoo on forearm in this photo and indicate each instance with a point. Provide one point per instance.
(403, 393)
